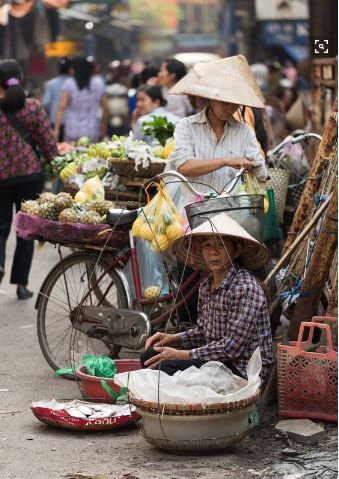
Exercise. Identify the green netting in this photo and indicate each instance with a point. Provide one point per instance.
(272, 230)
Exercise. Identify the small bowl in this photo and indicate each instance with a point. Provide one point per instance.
(91, 385)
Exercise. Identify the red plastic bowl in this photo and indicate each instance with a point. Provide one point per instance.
(91, 385)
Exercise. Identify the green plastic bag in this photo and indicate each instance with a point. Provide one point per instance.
(100, 366)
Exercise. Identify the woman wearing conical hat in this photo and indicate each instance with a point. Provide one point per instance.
(233, 319)
(211, 146)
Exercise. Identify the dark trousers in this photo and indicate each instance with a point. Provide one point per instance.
(9, 194)
(171, 366)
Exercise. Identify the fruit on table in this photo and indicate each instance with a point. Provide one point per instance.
(68, 215)
(63, 200)
(31, 207)
(100, 206)
(90, 218)
(68, 171)
(48, 211)
(46, 197)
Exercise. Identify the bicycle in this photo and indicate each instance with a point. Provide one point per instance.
(87, 292)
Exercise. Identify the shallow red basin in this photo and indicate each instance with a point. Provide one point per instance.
(91, 385)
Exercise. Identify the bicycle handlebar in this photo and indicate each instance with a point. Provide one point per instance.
(190, 187)
(301, 136)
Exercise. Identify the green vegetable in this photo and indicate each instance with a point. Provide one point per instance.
(159, 128)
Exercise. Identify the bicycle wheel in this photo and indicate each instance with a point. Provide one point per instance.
(62, 292)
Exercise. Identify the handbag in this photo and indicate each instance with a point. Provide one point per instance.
(23, 132)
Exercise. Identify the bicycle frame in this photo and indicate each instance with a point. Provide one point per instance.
(186, 290)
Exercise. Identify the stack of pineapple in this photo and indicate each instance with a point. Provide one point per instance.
(62, 208)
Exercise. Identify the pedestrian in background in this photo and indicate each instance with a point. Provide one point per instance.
(24, 133)
(83, 104)
(150, 103)
(171, 71)
(52, 92)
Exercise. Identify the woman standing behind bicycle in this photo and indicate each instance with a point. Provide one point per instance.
(24, 133)
(211, 145)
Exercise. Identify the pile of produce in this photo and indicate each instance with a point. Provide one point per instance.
(161, 130)
(63, 208)
(96, 159)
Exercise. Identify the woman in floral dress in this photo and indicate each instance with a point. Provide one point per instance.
(26, 140)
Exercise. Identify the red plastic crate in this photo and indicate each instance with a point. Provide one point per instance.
(308, 381)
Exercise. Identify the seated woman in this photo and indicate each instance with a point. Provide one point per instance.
(233, 318)
(150, 102)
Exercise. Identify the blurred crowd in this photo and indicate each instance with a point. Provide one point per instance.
(128, 94)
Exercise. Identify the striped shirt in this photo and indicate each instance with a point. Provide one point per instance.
(195, 139)
(233, 320)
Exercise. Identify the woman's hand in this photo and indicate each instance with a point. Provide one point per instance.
(161, 339)
(240, 163)
(166, 353)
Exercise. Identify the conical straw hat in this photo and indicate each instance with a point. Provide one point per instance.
(254, 255)
(229, 80)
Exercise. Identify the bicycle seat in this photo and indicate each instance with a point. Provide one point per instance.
(118, 216)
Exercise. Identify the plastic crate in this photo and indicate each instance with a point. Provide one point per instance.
(307, 380)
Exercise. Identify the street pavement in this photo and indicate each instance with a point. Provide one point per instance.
(31, 450)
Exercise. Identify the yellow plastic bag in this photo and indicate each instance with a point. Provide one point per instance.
(92, 189)
(160, 222)
(254, 187)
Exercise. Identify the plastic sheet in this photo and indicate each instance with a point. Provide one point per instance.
(212, 383)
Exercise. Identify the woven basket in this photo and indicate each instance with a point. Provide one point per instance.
(193, 427)
(195, 445)
(126, 167)
(193, 409)
(279, 183)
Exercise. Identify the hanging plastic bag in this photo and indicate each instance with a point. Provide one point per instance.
(254, 187)
(92, 189)
(159, 223)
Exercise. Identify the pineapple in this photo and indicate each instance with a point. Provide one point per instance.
(31, 207)
(63, 201)
(48, 211)
(99, 206)
(46, 197)
(68, 215)
(90, 218)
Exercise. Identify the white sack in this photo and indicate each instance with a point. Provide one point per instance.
(212, 383)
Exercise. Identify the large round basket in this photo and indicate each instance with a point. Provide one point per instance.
(193, 427)
(126, 167)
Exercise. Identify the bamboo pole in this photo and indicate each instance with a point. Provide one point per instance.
(319, 268)
(319, 164)
(332, 307)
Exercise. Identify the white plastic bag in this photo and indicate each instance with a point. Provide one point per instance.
(195, 387)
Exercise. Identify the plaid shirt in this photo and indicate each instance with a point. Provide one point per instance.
(233, 320)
